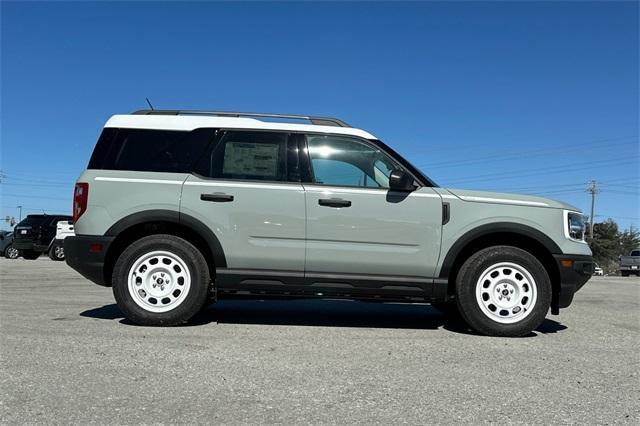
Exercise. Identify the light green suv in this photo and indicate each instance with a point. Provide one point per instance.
(180, 208)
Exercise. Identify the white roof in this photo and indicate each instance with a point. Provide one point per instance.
(191, 122)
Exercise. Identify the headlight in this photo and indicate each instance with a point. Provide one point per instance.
(574, 225)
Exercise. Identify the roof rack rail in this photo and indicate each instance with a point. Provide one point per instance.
(319, 121)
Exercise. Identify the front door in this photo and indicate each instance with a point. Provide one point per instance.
(357, 227)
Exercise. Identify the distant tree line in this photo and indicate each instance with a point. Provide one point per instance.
(608, 243)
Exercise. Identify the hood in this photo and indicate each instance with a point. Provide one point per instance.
(506, 198)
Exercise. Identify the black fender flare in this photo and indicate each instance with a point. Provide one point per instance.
(172, 216)
(494, 228)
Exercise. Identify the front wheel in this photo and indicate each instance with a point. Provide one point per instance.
(503, 291)
(160, 280)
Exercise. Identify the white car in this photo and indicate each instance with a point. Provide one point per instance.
(64, 229)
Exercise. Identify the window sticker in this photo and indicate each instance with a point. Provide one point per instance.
(248, 158)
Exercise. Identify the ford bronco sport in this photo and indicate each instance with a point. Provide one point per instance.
(179, 208)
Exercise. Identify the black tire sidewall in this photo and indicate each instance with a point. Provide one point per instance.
(467, 280)
(198, 290)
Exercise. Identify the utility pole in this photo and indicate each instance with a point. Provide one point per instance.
(20, 215)
(593, 189)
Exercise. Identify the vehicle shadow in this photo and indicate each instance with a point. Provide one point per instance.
(322, 313)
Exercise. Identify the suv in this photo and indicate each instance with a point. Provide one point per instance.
(178, 208)
(35, 234)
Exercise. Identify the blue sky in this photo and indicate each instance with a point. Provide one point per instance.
(536, 97)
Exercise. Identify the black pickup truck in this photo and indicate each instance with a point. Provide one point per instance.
(34, 233)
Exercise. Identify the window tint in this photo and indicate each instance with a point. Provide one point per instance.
(635, 253)
(247, 156)
(345, 161)
(149, 150)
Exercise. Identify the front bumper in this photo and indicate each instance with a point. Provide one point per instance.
(86, 254)
(575, 271)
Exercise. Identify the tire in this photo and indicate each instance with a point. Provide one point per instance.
(11, 253)
(624, 273)
(56, 252)
(160, 280)
(503, 291)
(31, 254)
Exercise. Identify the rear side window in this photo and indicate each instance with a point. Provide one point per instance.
(247, 156)
(149, 150)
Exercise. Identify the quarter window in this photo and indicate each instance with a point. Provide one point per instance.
(149, 150)
(345, 161)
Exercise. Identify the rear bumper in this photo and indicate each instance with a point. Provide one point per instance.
(575, 271)
(86, 254)
(24, 244)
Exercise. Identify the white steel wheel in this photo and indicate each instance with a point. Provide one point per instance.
(159, 281)
(506, 292)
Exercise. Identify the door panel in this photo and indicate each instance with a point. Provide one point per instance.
(259, 225)
(381, 232)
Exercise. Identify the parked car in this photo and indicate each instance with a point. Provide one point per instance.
(598, 271)
(64, 229)
(177, 208)
(35, 233)
(630, 265)
(6, 246)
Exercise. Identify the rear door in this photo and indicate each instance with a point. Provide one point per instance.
(356, 225)
(246, 188)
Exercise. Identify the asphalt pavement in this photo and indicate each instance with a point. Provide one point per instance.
(68, 356)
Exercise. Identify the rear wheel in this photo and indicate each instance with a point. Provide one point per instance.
(161, 280)
(56, 252)
(503, 291)
(624, 273)
(31, 254)
(10, 252)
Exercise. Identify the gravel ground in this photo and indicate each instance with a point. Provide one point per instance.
(68, 356)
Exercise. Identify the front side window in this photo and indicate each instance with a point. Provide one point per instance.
(247, 156)
(346, 161)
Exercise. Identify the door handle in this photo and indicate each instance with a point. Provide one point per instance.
(334, 202)
(217, 198)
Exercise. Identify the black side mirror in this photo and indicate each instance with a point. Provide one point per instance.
(399, 180)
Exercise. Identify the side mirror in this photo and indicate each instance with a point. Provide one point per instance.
(399, 180)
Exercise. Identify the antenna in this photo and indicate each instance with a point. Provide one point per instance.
(149, 102)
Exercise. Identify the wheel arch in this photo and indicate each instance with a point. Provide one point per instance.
(150, 222)
(504, 233)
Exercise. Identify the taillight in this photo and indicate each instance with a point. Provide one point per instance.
(80, 196)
